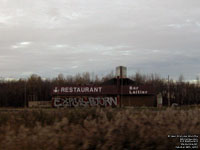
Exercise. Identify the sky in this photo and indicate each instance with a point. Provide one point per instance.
(49, 37)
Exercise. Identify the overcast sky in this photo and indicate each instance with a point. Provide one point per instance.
(48, 37)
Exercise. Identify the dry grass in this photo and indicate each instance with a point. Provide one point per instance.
(95, 128)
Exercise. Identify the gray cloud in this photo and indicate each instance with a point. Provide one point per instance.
(52, 37)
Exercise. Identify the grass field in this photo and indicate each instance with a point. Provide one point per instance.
(96, 128)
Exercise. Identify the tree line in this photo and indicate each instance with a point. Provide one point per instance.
(16, 93)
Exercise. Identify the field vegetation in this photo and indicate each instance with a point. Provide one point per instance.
(96, 128)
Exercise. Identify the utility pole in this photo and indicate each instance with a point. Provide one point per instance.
(168, 92)
(25, 94)
(118, 91)
(121, 89)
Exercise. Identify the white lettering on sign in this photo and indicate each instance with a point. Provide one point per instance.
(134, 90)
(56, 90)
(84, 101)
(78, 90)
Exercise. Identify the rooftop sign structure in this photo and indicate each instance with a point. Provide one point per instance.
(121, 72)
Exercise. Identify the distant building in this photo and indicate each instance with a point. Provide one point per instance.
(117, 92)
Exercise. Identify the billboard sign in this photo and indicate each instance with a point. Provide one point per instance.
(90, 96)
